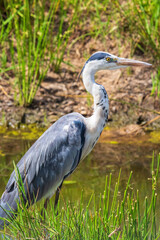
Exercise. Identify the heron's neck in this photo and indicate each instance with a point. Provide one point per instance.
(101, 103)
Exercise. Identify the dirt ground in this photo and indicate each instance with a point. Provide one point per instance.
(129, 92)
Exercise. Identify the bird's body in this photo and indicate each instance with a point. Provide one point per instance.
(56, 154)
(49, 160)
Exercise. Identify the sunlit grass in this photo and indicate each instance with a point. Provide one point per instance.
(34, 41)
(119, 215)
(31, 59)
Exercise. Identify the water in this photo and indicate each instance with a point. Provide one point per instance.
(110, 154)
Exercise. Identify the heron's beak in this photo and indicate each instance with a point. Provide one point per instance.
(129, 62)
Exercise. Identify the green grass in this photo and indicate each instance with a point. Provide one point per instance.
(38, 35)
(34, 42)
(31, 31)
(38, 45)
(156, 83)
(120, 214)
(138, 23)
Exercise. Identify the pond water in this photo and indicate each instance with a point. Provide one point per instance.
(110, 154)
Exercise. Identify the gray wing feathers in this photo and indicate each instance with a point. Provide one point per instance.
(51, 158)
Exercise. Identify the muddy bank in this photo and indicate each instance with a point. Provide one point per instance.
(129, 92)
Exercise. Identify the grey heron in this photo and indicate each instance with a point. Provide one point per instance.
(57, 153)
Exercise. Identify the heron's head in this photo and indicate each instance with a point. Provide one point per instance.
(103, 60)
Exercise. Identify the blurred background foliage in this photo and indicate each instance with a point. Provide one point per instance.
(36, 34)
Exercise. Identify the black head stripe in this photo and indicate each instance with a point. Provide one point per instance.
(98, 56)
(95, 56)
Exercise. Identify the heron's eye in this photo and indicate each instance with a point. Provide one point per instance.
(108, 59)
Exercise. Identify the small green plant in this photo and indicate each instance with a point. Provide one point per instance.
(156, 84)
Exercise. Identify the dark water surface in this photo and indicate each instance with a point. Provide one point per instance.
(109, 156)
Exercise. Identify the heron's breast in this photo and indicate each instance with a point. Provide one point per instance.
(91, 139)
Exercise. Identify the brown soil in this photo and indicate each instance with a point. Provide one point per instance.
(129, 91)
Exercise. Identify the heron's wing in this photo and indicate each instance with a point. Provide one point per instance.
(52, 157)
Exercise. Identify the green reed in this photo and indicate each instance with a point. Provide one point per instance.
(35, 42)
(138, 23)
(120, 215)
(28, 45)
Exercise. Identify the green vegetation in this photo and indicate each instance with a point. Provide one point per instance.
(119, 215)
(140, 20)
(29, 30)
(34, 35)
(156, 83)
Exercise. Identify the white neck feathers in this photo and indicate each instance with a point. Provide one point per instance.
(96, 90)
(97, 121)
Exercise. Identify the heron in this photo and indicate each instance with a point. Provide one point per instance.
(60, 149)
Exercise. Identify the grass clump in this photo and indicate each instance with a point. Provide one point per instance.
(139, 22)
(31, 27)
(35, 42)
(119, 215)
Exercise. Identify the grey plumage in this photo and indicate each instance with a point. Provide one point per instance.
(53, 157)
(98, 56)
